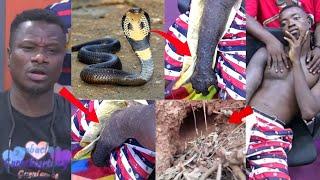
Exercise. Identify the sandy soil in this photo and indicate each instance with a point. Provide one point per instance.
(186, 149)
(100, 18)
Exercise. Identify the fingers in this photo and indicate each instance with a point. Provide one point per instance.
(269, 62)
(275, 63)
(289, 36)
(285, 60)
(311, 64)
(289, 41)
(280, 63)
(308, 59)
(315, 68)
(314, 65)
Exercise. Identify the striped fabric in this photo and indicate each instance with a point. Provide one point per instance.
(132, 161)
(230, 66)
(79, 123)
(63, 10)
(174, 61)
(129, 161)
(269, 142)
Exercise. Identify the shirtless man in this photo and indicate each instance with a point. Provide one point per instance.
(278, 97)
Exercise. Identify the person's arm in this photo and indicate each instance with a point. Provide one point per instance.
(308, 99)
(255, 71)
(137, 121)
(314, 55)
(276, 54)
(313, 58)
(215, 16)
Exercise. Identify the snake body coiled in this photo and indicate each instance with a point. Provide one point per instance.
(105, 67)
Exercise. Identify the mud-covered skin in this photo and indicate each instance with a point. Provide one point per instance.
(213, 23)
(136, 122)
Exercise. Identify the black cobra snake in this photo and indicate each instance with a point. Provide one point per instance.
(105, 67)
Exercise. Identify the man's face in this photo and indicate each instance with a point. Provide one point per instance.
(295, 21)
(36, 56)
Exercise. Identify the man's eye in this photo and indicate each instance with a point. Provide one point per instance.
(28, 48)
(296, 18)
(52, 51)
(283, 24)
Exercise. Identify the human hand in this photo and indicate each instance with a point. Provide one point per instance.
(295, 45)
(276, 56)
(202, 79)
(313, 60)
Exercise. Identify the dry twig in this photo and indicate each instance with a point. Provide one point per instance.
(194, 119)
(218, 177)
(238, 172)
(205, 114)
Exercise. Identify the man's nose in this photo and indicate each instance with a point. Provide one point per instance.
(292, 24)
(40, 57)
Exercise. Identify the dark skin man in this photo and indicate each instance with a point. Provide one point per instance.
(34, 139)
(35, 63)
(294, 91)
(275, 49)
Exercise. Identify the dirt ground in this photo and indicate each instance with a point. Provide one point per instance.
(195, 140)
(100, 18)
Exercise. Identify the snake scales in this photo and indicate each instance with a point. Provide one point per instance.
(105, 67)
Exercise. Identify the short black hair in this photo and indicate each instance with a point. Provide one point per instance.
(291, 6)
(45, 15)
(297, 6)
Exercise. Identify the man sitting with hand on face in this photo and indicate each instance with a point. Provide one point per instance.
(35, 135)
(297, 92)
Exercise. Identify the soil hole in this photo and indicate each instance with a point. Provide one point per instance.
(187, 129)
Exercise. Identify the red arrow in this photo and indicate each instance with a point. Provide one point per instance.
(236, 117)
(91, 115)
(181, 48)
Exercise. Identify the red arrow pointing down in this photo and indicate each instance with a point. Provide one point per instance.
(91, 115)
(181, 48)
(236, 117)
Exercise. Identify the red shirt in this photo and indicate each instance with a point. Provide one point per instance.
(266, 11)
(317, 10)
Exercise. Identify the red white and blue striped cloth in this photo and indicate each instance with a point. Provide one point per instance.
(231, 60)
(63, 10)
(79, 123)
(231, 66)
(268, 144)
(173, 60)
(132, 161)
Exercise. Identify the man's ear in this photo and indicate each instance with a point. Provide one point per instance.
(310, 20)
(9, 51)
